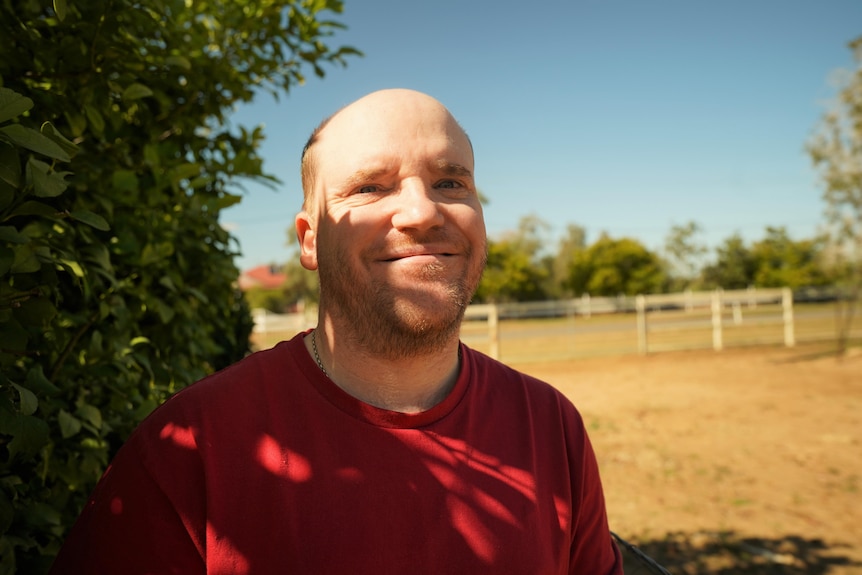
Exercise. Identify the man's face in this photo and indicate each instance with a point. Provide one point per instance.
(400, 237)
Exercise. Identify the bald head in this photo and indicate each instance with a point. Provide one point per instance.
(385, 113)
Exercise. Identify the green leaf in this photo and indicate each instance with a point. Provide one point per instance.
(10, 166)
(7, 556)
(7, 256)
(11, 235)
(37, 381)
(13, 104)
(31, 433)
(7, 513)
(201, 181)
(178, 62)
(25, 261)
(34, 141)
(99, 255)
(153, 253)
(60, 9)
(90, 414)
(13, 336)
(152, 155)
(34, 208)
(124, 181)
(46, 184)
(69, 424)
(77, 122)
(42, 514)
(228, 200)
(147, 406)
(28, 401)
(95, 119)
(36, 311)
(91, 219)
(7, 194)
(8, 414)
(184, 172)
(95, 348)
(73, 267)
(136, 91)
(49, 131)
(166, 312)
(168, 283)
(198, 294)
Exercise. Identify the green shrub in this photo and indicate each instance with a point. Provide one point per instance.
(116, 279)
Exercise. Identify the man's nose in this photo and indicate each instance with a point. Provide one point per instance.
(417, 207)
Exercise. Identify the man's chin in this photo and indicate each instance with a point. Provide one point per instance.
(430, 303)
(429, 316)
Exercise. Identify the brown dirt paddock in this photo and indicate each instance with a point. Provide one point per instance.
(742, 461)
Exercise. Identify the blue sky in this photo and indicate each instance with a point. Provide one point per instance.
(623, 116)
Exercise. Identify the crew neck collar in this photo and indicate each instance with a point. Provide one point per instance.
(371, 414)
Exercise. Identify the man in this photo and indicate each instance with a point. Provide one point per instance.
(377, 442)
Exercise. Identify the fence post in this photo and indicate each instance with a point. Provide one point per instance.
(586, 299)
(717, 343)
(494, 331)
(640, 305)
(259, 320)
(689, 304)
(737, 313)
(787, 306)
(752, 298)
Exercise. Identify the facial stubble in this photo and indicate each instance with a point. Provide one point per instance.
(397, 322)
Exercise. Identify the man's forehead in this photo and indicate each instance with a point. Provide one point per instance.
(386, 131)
(341, 171)
(386, 143)
(396, 113)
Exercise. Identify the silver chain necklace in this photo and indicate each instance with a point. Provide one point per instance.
(320, 363)
(316, 354)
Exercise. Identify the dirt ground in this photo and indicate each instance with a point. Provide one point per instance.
(742, 461)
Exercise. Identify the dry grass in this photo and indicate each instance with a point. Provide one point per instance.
(740, 461)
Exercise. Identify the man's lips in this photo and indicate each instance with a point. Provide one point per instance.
(418, 253)
(418, 258)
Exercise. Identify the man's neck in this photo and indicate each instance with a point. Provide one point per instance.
(406, 385)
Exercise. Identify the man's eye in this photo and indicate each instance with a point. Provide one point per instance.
(449, 184)
(368, 189)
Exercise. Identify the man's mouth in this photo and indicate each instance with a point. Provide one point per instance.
(422, 254)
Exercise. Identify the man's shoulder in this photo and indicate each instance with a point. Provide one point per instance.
(259, 367)
(234, 389)
(495, 374)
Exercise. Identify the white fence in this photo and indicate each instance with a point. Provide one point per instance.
(289, 323)
(651, 313)
(585, 326)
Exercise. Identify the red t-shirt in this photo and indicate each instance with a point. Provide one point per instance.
(268, 467)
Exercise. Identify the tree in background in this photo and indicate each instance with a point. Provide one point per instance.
(684, 253)
(302, 287)
(516, 269)
(775, 261)
(116, 279)
(836, 151)
(782, 262)
(734, 268)
(611, 267)
(573, 241)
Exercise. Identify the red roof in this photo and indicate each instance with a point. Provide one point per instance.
(266, 276)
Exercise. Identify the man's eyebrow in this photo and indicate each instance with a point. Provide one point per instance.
(451, 169)
(363, 176)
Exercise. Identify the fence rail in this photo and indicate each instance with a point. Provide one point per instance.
(589, 326)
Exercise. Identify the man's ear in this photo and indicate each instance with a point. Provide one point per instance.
(307, 236)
